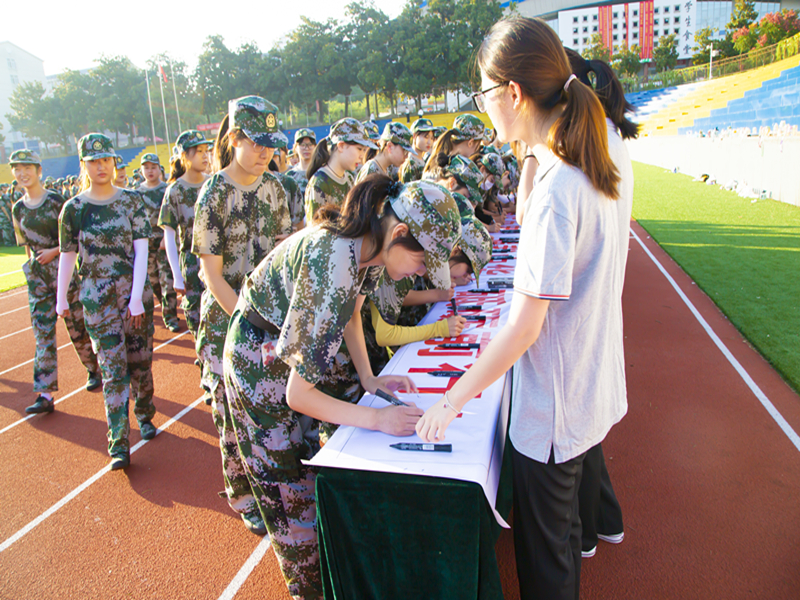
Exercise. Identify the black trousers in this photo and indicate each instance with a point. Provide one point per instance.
(547, 527)
(599, 508)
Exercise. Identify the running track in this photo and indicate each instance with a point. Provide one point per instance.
(708, 479)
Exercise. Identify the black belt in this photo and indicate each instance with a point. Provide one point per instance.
(256, 320)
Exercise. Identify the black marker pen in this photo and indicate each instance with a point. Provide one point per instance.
(423, 447)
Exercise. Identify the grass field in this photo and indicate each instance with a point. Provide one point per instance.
(11, 259)
(745, 255)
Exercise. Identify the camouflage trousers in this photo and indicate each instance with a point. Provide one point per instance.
(190, 269)
(273, 439)
(161, 280)
(210, 345)
(125, 354)
(42, 284)
(340, 381)
(7, 237)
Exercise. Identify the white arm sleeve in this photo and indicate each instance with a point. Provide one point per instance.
(172, 256)
(139, 276)
(66, 266)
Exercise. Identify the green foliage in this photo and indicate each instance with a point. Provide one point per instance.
(744, 13)
(597, 50)
(665, 54)
(626, 61)
(702, 40)
(744, 255)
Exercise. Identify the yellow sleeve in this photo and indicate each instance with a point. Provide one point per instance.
(396, 335)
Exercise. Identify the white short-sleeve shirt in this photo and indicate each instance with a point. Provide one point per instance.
(569, 386)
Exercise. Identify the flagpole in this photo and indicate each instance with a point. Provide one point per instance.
(163, 104)
(150, 106)
(174, 91)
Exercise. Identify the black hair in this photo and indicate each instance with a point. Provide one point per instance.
(223, 152)
(608, 90)
(457, 257)
(366, 211)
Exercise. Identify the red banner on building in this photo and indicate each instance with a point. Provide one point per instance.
(646, 29)
(208, 127)
(606, 27)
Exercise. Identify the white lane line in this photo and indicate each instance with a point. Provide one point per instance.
(247, 568)
(74, 493)
(80, 389)
(11, 273)
(27, 362)
(22, 291)
(762, 397)
(13, 311)
(15, 333)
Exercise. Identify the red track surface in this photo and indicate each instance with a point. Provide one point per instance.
(708, 482)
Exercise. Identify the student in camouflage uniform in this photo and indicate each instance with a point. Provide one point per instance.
(295, 201)
(7, 200)
(177, 215)
(303, 147)
(158, 270)
(109, 228)
(35, 218)
(241, 214)
(329, 178)
(394, 146)
(294, 310)
(422, 142)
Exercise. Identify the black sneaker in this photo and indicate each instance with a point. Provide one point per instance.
(148, 430)
(254, 522)
(174, 327)
(42, 405)
(120, 461)
(208, 398)
(93, 382)
(197, 363)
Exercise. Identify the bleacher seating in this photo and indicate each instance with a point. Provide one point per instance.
(698, 100)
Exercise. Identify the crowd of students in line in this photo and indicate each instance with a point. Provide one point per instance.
(300, 271)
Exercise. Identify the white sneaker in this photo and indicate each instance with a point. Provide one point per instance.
(588, 553)
(612, 539)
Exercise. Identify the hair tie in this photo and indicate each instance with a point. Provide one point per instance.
(394, 188)
(566, 85)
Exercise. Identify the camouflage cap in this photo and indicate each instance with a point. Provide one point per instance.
(468, 127)
(257, 118)
(189, 139)
(493, 163)
(488, 135)
(49, 179)
(421, 126)
(150, 157)
(438, 131)
(121, 164)
(350, 130)
(464, 207)
(94, 146)
(373, 130)
(24, 157)
(470, 173)
(304, 132)
(476, 244)
(432, 218)
(397, 133)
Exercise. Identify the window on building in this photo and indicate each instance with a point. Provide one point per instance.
(676, 20)
(12, 64)
(594, 17)
(14, 80)
(655, 10)
(574, 30)
(666, 9)
(574, 41)
(636, 23)
(635, 13)
(585, 18)
(676, 31)
(585, 40)
(594, 29)
(574, 19)
(585, 30)
(616, 26)
(656, 22)
(677, 8)
(635, 35)
(616, 37)
(616, 15)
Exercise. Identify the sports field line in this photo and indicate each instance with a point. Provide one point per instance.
(11, 273)
(74, 493)
(762, 397)
(13, 311)
(8, 335)
(247, 568)
(80, 389)
(27, 362)
(22, 291)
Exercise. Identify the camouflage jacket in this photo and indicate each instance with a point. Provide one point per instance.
(325, 187)
(36, 226)
(369, 168)
(411, 170)
(103, 232)
(239, 223)
(410, 316)
(153, 198)
(308, 287)
(177, 211)
(299, 177)
(294, 197)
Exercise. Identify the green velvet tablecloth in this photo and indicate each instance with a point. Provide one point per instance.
(387, 536)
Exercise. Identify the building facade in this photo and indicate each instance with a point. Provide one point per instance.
(17, 66)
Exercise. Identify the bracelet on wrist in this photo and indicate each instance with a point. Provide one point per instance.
(527, 156)
(449, 404)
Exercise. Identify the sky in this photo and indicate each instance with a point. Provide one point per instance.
(71, 35)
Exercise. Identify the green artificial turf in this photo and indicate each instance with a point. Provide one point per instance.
(745, 255)
(11, 259)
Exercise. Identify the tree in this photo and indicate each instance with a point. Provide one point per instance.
(369, 28)
(744, 13)
(26, 110)
(665, 54)
(703, 39)
(597, 50)
(626, 61)
(120, 96)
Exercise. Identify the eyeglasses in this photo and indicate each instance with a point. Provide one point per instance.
(306, 146)
(257, 148)
(479, 98)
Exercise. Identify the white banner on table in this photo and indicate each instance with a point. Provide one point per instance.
(477, 436)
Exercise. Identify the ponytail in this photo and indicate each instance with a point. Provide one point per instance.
(609, 91)
(319, 159)
(443, 145)
(366, 212)
(84, 179)
(223, 151)
(177, 167)
(528, 52)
